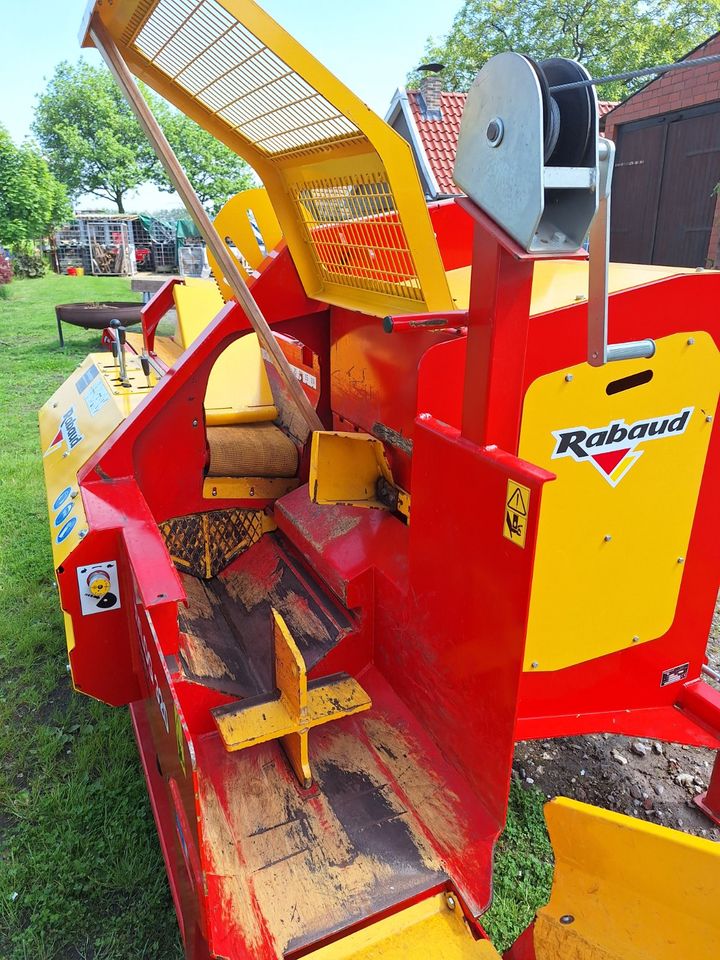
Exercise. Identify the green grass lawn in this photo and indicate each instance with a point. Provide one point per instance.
(81, 874)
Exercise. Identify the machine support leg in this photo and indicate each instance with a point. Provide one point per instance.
(709, 802)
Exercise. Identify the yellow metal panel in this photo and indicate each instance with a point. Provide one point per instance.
(233, 223)
(321, 153)
(429, 929)
(634, 891)
(340, 695)
(238, 389)
(613, 536)
(78, 417)
(345, 468)
(196, 304)
(248, 488)
(560, 283)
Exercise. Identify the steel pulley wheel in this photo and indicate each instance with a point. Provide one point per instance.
(571, 112)
(551, 112)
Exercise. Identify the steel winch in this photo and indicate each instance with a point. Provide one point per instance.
(531, 156)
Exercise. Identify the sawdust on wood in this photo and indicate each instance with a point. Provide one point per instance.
(438, 807)
(301, 866)
(248, 589)
(202, 660)
(325, 523)
(301, 620)
(200, 605)
(237, 907)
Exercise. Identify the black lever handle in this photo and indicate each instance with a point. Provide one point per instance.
(119, 329)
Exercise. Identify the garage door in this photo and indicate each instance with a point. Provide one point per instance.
(663, 202)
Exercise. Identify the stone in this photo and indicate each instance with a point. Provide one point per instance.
(616, 755)
(639, 748)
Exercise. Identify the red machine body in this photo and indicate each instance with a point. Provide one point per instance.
(430, 616)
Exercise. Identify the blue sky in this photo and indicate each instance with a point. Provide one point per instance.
(370, 45)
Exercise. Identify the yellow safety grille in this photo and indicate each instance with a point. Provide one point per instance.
(217, 60)
(355, 235)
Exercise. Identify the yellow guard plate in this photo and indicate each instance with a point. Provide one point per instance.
(635, 891)
(592, 595)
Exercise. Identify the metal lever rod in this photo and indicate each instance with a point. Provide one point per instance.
(599, 350)
(110, 53)
(120, 338)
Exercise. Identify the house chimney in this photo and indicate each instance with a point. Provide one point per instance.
(431, 90)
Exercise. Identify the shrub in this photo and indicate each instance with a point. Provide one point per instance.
(6, 270)
(28, 263)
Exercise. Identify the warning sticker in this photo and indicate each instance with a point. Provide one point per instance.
(99, 589)
(517, 507)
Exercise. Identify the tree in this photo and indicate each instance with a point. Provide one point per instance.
(215, 172)
(91, 137)
(32, 202)
(95, 144)
(607, 36)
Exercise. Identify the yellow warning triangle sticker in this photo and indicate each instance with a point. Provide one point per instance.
(517, 502)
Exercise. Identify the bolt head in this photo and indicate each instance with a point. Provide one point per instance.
(567, 918)
(691, 341)
(636, 639)
(607, 538)
(681, 559)
(451, 901)
(494, 132)
(194, 423)
(568, 378)
(534, 664)
(708, 419)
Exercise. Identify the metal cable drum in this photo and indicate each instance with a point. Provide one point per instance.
(568, 115)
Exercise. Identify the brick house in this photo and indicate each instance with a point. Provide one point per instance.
(667, 136)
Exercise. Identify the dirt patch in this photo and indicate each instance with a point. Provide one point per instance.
(609, 771)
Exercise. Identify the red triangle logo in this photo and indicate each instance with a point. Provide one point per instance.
(608, 461)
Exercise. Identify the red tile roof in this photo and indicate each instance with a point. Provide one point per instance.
(440, 137)
(605, 106)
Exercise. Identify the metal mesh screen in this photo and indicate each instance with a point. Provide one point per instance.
(355, 234)
(203, 544)
(219, 62)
